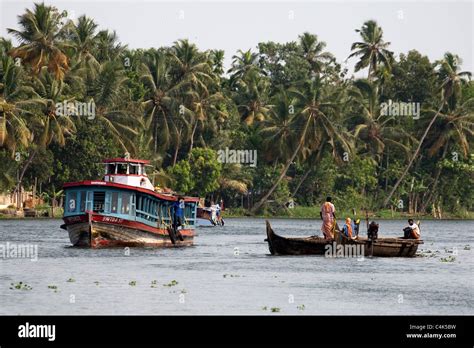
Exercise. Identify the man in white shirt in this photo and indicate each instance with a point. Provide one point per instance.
(412, 231)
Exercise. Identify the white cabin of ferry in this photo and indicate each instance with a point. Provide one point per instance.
(131, 172)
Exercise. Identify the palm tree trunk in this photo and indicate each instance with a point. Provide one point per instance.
(22, 174)
(435, 183)
(192, 137)
(387, 200)
(301, 182)
(284, 170)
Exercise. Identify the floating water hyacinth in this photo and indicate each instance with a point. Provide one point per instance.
(132, 283)
(154, 283)
(275, 309)
(71, 280)
(172, 283)
(301, 307)
(20, 286)
(448, 259)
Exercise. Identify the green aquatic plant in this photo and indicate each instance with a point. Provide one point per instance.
(301, 307)
(96, 283)
(448, 259)
(154, 283)
(275, 309)
(264, 308)
(132, 283)
(467, 247)
(71, 280)
(172, 283)
(20, 286)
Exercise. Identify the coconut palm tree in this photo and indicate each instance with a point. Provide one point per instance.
(252, 97)
(41, 40)
(84, 41)
(14, 131)
(451, 81)
(190, 68)
(313, 52)
(242, 64)
(375, 129)
(372, 50)
(315, 126)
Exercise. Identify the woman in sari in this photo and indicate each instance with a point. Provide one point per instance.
(328, 215)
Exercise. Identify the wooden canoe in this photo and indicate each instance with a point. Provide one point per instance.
(341, 246)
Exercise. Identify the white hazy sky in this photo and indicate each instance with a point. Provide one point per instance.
(428, 26)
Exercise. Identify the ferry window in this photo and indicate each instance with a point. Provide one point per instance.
(71, 202)
(99, 200)
(114, 205)
(133, 169)
(125, 203)
(83, 201)
(111, 169)
(122, 168)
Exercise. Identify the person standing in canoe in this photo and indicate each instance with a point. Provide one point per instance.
(328, 215)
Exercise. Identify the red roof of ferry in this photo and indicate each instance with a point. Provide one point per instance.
(132, 188)
(124, 160)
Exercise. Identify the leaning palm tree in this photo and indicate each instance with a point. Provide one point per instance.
(451, 81)
(315, 125)
(41, 40)
(375, 129)
(372, 50)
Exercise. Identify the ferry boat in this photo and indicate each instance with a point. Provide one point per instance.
(124, 209)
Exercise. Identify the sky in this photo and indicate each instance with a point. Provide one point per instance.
(432, 28)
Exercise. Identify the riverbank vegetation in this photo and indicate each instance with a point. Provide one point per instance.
(397, 139)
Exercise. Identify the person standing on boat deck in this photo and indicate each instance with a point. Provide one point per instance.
(178, 213)
(213, 213)
(412, 231)
(328, 215)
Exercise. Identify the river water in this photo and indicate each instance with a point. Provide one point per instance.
(230, 271)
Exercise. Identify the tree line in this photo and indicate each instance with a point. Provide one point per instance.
(72, 94)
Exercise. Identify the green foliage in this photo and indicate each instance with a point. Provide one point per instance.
(291, 102)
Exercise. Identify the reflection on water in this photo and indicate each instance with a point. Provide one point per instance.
(230, 271)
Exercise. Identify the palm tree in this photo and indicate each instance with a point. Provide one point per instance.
(453, 127)
(251, 97)
(41, 40)
(375, 129)
(112, 104)
(14, 131)
(84, 41)
(242, 64)
(190, 68)
(451, 81)
(372, 50)
(313, 52)
(315, 122)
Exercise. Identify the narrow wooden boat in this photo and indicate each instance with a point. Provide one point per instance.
(341, 246)
(124, 209)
